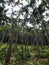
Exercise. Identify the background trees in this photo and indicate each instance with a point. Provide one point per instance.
(33, 17)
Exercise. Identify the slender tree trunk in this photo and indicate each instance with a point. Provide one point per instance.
(36, 37)
(4, 32)
(43, 35)
(22, 48)
(11, 40)
(41, 40)
(31, 40)
(22, 53)
(7, 60)
(25, 43)
(43, 24)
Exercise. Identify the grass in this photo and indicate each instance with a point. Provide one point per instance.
(32, 55)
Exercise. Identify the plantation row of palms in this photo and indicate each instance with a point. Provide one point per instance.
(28, 28)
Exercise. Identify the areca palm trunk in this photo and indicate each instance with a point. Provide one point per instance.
(4, 34)
(7, 59)
(36, 37)
(46, 34)
(34, 22)
(22, 47)
(43, 36)
(43, 25)
(25, 43)
(41, 40)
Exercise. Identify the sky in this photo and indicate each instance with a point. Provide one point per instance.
(18, 8)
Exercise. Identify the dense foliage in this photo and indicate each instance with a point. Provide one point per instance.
(32, 55)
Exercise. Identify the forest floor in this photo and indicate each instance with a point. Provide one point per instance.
(32, 55)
